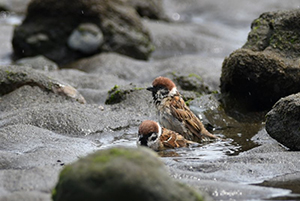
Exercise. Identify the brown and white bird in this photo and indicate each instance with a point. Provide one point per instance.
(174, 114)
(152, 135)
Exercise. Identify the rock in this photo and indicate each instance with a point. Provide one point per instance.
(18, 152)
(266, 68)
(29, 96)
(13, 77)
(120, 174)
(41, 34)
(127, 70)
(290, 181)
(86, 38)
(71, 119)
(117, 94)
(31, 158)
(15, 6)
(282, 122)
(204, 39)
(209, 109)
(219, 177)
(123, 67)
(152, 9)
(3, 8)
(190, 82)
(206, 68)
(38, 62)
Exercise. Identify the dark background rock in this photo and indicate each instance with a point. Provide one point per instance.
(152, 9)
(283, 120)
(266, 68)
(46, 32)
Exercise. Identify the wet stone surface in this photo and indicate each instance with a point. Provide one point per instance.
(43, 129)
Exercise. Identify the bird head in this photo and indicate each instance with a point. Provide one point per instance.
(162, 87)
(149, 133)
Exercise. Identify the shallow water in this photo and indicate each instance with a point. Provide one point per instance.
(234, 141)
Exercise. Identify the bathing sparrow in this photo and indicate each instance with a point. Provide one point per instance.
(152, 135)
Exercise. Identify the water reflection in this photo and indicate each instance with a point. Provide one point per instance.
(210, 151)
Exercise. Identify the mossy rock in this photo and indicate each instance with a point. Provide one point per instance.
(277, 32)
(120, 174)
(266, 68)
(118, 93)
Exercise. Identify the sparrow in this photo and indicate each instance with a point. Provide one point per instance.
(174, 114)
(152, 135)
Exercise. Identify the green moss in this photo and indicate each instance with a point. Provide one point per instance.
(65, 171)
(193, 192)
(188, 101)
(117, 94)
(114, 95)
(284, 40)
(196, 76)
(114, 153)
(138, 88)
(53, 193)
(10, 75)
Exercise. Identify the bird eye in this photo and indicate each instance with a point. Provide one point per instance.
(153, 137)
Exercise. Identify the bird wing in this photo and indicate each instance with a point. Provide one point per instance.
(171, 139)
(184, 114)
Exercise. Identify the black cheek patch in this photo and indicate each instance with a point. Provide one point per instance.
(144, 140)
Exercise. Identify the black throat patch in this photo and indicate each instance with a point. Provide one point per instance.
(145, 138)
(159, 93)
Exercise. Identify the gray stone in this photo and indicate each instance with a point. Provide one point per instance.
(38, 62)
(290, 181)
(282, 122)
(26, 196)
(86, 38)
(31, 158)
(127, 70)
(220, 177)
(13, 77)
(121, 174)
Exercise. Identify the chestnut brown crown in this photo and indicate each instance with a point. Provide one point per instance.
(147, 127)
(163, 82)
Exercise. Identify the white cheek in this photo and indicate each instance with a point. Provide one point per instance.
(173, 91)
(154, 144)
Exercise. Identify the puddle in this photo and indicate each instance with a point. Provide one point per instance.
(235, 140)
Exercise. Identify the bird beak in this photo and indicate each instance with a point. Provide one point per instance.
(150, 88)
